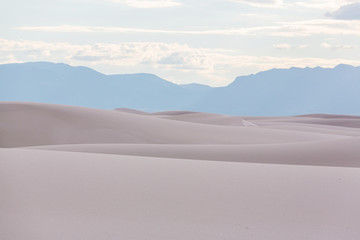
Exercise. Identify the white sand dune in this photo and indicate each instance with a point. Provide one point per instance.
(205, 118)
(318, 123)
(335, 130)
(79, 173)
(173, 113)
(31, 124)
(330, 116)
(344, 152)
(133, 111)
(332, 120)
(62, 195)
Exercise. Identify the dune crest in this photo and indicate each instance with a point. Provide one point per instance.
(32, 124)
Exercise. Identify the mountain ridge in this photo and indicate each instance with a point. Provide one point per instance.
(275, 92)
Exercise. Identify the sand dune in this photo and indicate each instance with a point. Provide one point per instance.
(62, 195)
(313, 120)
(333, 120)
(31, 124)
(133, 111)
(206, 118)
(329, 116)
(344, 152)
(79, 173)
(172, 113)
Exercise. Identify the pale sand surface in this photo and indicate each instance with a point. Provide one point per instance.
(129, 110)
(344, 152)
(80, 173)
(321, 123)
(62, 195)
(30, 124)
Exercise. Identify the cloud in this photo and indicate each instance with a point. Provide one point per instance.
(319, 4)
(302, 46)
(337, 46)
(346, 12)
(282, 46)
(176, 62)
(93, 29)
(261, 3)
(148, 3)
(286, 46)
(173, 59)
(282, 29)
(316, 27)
(88, 58)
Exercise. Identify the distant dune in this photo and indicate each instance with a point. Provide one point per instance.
(30, 124)
(80, 173)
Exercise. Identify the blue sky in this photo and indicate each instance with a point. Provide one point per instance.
(204, 41)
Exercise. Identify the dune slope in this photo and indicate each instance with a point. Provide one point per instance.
(31, 124)
(63, 195)
(343, 152)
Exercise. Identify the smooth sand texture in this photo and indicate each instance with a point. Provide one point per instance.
(128, 110)
(344, 152)
(79, 173)
(30, 124)
(61, 195)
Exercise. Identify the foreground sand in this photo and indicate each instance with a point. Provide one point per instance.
(61, 195)
(66, 173)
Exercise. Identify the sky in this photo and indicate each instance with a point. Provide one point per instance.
(184, 41)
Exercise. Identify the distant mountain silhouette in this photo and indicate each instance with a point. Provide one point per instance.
(275, 92)
(289, 92)
(64, 84)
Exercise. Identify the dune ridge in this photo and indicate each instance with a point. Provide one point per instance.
(342, 153)
(32, 124)
(299, 140)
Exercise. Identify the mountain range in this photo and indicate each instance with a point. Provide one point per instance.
(276, 92)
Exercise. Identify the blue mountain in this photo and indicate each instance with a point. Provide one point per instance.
(82, 86)
(289, 92)
(275, 92)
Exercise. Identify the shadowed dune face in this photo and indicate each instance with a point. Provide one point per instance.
(128, 110)
(30, 124)
(324, 116)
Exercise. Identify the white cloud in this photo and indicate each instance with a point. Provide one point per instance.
(92, 29)
(321, 4)
(316, 4)
(148, 3)
(176, 62)
(313, 4)
(282, 46)
(261, 3)
(303, 46)
(283, 29)
(286, 46)
(316, 27)
(336, 46)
